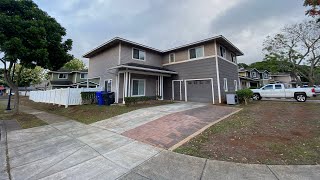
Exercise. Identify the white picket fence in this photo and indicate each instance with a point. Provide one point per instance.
(65, 97)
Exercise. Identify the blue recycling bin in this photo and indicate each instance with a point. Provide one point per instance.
(100, 98)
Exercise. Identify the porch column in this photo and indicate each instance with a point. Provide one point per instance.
(87, 83)
(161, 87)
(117, 89)
(125, 85)
(129, 86)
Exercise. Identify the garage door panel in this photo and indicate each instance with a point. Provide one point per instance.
(199, 91)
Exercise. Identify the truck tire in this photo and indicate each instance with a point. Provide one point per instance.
(300, 97)
(256, 97)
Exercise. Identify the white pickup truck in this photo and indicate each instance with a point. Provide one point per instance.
(279, 91)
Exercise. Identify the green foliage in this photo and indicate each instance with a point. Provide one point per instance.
(244, 95)
(28, 76)
(314, 10)
(74, 65)
(243, 65)
(31, 36)
(88, 97)
(272, 64)
(134, 100)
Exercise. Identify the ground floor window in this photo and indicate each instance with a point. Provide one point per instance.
(138, 87)
(225, 84)
(108, 85)
(235, 85)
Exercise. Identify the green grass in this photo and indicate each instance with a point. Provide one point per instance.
(25, 120)
(263, 132)
(89, 113)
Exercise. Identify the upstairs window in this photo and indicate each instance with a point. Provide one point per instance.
(63, 76)
(254, 74)
(223, 52)
(196, 52)
(138, 54)
(233, 58)
(266, 76)
(83, 76)
(172, 58)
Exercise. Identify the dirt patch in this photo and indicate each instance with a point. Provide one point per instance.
(264, 132)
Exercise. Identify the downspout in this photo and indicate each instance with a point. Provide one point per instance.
(217, 70)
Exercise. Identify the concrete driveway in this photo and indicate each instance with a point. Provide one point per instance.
(104, 150)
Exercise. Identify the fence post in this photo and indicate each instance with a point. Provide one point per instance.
(67, 98)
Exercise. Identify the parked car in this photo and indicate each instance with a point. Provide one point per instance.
(279, 91)
(317, 89)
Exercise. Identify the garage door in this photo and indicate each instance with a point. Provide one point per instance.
(199, 90)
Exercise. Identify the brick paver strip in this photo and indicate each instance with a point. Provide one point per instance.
(169, 130)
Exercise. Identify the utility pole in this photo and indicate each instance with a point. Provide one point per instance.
(9, 100)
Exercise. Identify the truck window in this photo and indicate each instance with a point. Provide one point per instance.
(268, 87)
(278, 86)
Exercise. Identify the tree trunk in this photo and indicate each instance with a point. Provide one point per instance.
(14, 88)
(25, 91)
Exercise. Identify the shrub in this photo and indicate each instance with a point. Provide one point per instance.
(244, 95)
(88, 97)
(134, 100)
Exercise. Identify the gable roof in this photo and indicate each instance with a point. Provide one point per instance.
(221, 39)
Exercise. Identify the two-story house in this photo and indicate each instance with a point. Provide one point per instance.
(253, 77)
(202, 71)
(74, 79)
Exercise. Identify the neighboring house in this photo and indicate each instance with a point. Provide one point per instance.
(286, 78)
(253, 77)
(74, 79)
(203, 71)
(2, 90)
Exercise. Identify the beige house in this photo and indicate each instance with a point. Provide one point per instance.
(286, 78)
(202, 71)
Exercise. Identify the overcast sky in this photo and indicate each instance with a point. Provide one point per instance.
(165, 24)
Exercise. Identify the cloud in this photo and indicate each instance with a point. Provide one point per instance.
(165, 24)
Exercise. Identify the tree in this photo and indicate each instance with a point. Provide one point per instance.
(297, 44)
(2, 82)
(242, 65)
(75, 65)
(30, 37)
(314, 8)
(29, 76)
(272, 64)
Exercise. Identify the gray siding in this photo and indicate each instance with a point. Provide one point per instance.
(99, 65)
(150, 84)
(229, 71)
(152, 58)
(198, 69)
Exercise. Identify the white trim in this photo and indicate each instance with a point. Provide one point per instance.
(235, 82)
(129, 82)
(67, 75)
(161, 84)
(217, 71)
(203, 55)
(185, 88)
(117, 89)
(120, 47)
(146, 73)
(174, 58)
(105, 83)
(188, 60)
(173, 88)
(225, 84)
(145, 54)
(144, 86)
(145, 69)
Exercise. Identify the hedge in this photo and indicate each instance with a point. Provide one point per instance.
(88, 97)
(134, 100)
(244, 95)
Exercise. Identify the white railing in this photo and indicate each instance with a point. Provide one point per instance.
(65, 97)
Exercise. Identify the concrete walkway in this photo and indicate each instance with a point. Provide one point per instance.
(71, 150)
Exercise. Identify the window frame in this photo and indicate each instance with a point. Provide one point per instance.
(235, 82)
(144, 87)
(174, 57)
(225, 84)
(145, 54)
(225, 51)
(233, 58)
(83, 74)
(108, 80)
(66, 76)
(196, 52)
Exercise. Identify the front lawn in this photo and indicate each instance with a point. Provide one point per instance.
(25, 120)
(88, 113)
(264, 132)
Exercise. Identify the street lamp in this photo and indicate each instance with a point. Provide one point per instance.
(9, 100)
